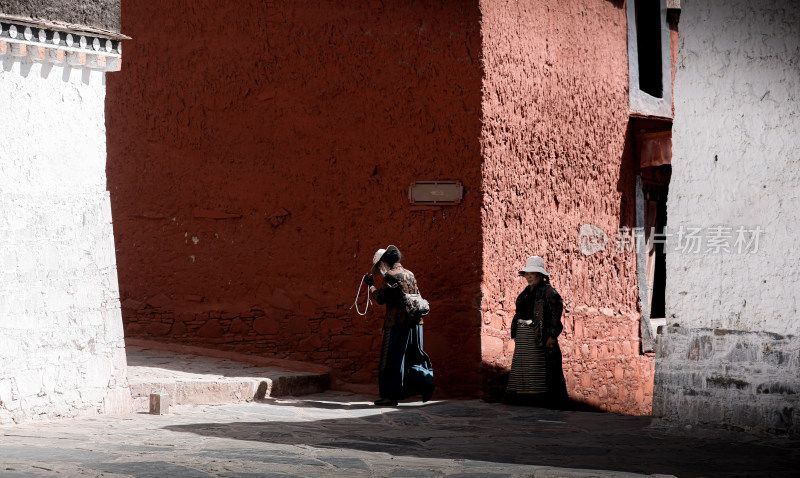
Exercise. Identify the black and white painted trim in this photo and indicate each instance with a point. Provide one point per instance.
(58, 46)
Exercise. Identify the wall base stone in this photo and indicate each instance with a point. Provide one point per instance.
(732, 379)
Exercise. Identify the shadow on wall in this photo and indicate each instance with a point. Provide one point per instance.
(627, 183)
(87, 75)
(248, 201)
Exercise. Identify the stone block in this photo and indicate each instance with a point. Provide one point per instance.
(30, 383)
(6, 392)
(310, 343)
(308, 307)
(157, 329)
(299, 326)
(351, 342)
(159, 300)
(700, 348)
(332, 326)
(238, 327)
(211, 329)
(266, 326)
(744, 352)
(492, 348)
(159, 403)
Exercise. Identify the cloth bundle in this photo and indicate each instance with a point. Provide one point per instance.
(416, 308)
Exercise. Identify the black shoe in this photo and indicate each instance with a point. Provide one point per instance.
(386, 402)
(427, 394)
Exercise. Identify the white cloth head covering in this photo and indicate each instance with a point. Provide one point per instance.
(534, 264)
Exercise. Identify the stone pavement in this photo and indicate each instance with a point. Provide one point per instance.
(339, 434)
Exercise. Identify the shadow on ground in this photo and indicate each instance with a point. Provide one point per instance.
(480, 431)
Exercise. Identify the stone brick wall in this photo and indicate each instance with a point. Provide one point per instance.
(260, 152)
(603, 365)
(61, 338)
(735, 165)
(558, 156)
(734, 379)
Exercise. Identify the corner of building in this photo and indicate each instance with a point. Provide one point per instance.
(61, 340)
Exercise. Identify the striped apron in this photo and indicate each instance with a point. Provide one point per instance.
(527, 366)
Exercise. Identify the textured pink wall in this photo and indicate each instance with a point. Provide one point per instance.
(556, 156)
(259, 152)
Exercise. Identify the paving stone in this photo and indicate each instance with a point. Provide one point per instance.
(408, 419)
(414, 474)
(349, 463)
(573, 450)
(150, 469)
(358, 446)
(479, 475)
(258, 456)
(259, 475)
(49, 454)
(20, 475)
(457, 413)
(454, 438)
(140, 448)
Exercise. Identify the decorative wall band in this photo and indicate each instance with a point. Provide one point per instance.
(47, 45)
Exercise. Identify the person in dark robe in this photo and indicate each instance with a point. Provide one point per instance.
(536, 370)
(405, 369)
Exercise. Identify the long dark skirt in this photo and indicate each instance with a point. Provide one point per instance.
(405, 369)
(527, 366)
(537, 376)
(554, 377)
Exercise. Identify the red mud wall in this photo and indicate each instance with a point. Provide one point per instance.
(557, 157)
(259, 152)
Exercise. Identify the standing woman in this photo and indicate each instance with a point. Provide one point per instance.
(536, 374)
(405, 369)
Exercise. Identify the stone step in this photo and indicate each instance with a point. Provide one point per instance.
(197, 376)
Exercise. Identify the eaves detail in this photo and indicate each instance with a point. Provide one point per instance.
(68, 46)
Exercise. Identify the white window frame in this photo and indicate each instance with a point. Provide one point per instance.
(642, 103)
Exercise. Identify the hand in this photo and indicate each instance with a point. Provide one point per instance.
(551, 342)
(368, 280)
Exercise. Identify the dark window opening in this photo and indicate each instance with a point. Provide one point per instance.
(655, 185)
(648, 42)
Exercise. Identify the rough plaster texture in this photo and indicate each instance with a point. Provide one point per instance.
(94, 13)
(735, 163)
(557, 156)
(61, 338)
(253, 177)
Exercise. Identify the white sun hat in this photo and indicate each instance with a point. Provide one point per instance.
(377, 257)
(534, 264)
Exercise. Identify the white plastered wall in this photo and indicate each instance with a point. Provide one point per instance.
(730, 356)
(61, 338)
(736, 162)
